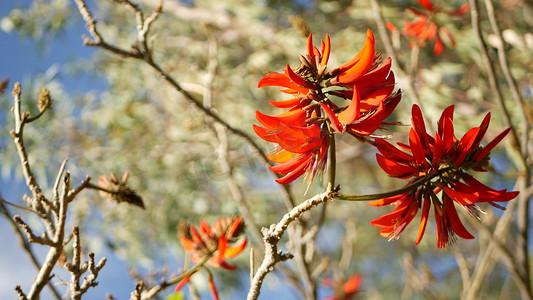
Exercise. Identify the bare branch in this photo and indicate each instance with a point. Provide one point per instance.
(273, 235)
(26, 246)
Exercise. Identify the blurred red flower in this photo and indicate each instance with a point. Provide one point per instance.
(303, 132)
(212, 241)
(343, 290)
(442, 163)
(426, 28)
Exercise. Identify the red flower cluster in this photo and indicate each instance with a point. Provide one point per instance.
(343, 290)
(303, 132)
(213, 242)
(438, 164)
(425, 27)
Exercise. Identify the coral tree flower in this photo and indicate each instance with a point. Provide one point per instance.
(316, 110)
(425, 27)
(343, 290)
(440, 164)
(212, 242)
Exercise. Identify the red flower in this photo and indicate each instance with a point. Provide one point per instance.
(425, 27)
(304, 131)
(441, 163)
(343, 290)
(213, 242)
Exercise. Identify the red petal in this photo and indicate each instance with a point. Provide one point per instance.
(376, 76)
(326, 51)
(378, 95)
(417, 120)
(417, 148)
(369, 123)
(187, 244)
(182, 282)
(391, 27)
(265, 133)
(296, 117)
(334, 121)
(461, 10)
(291, 164)
(426, 4)
(392, 152)
(455, 222)
(395, 169)
(465, 145)
(235, 250)
(347, 65)
(387, 201)
(222, 245)
(485, 150)
(439, 46)
(285, 104)
(350, 114)
(280, 156)
(310, 47)
(212, 286)
(292, 175)
(233, 227)
(352, 285)
(278, 79)
(362, 66)
(204, 228)
(482, 130)
(297, 79)
(423, 220)
(391, 218)
(461, 197)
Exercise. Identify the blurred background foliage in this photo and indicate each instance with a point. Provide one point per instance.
(132, 120)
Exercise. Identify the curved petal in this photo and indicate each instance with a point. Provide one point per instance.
(286, 103)
(485, 150)
(353, 111)
(280, 156)
(297, 79)
(423, 220)
(354, 60)
(235, 250)
(362, 66)
(461, 197)
(334, 121)
(395, 169)
(375, 76)
(455, 222)
(265, 133)
(326, 51)
(369, 123)
(465, 145)
(290, 165)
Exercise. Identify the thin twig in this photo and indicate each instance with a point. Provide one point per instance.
(26, 246)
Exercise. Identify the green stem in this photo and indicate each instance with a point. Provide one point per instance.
(332, 163)
(405, 189)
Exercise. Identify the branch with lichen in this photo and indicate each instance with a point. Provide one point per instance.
(53, 213)
(273, 235)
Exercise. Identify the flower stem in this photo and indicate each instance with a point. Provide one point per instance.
(405, 189)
